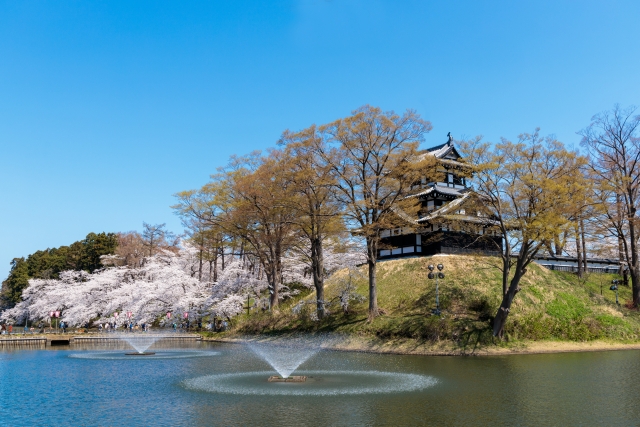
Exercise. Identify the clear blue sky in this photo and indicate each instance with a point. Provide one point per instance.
(107, 108)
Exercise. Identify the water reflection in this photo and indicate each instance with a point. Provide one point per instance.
(47, 387)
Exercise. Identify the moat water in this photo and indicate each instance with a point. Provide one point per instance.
(225, 385)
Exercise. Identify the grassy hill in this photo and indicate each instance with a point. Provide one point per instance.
(550, 306)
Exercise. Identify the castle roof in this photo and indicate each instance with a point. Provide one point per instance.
(451, 211)
(446, 153)
(441, 190)
(446, 150)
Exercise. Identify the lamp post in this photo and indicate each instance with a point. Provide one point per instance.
(438, 275)
(614, 287)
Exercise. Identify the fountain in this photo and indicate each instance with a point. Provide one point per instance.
(140, 343)
(286, 356)
(164, 347)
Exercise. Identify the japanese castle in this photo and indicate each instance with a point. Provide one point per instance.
(450, 220)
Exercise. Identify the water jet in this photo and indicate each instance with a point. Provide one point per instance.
(139, 342)
(144, 353)
(286, 355)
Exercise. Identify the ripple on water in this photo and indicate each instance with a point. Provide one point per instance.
(119, 355)
(319, 383)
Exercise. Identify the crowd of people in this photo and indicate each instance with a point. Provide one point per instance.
(216, 325)
(126, 327)
(8, 329)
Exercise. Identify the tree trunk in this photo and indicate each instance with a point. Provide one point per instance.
(549, 247)
(506, 267)
(506, 262)
(273, 288)
(584, 246)
(278, 273)
(634, 272)
(215, 268)
(634, 267)
(621, 252)
(578, 250)
(625, 275)
(372, 256)
(274, 296)
(561, 243)
(373, 292)
(503, 312)
(557, 243)
(317, 267)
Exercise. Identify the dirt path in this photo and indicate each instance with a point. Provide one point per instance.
(448, 349)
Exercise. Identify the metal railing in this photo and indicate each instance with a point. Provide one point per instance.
(574, 268)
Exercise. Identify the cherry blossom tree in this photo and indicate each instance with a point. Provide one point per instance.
(164, 282)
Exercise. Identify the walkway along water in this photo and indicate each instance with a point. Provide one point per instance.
(58, 339)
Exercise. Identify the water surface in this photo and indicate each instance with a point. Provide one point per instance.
(68, 386)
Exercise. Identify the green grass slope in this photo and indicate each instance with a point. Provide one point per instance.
(550, 306)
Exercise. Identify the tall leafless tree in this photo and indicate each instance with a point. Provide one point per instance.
(613, 142)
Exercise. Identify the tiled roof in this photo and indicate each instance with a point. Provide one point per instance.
(442, 150)
(445, 209)
(463, 218)
(439, 150)
(448, 190)
(423, 192)
(440, 153)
